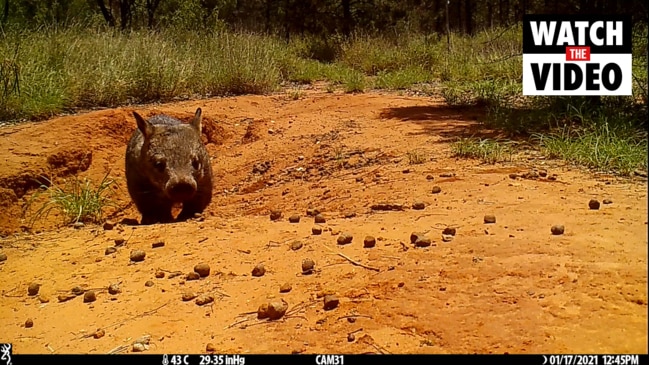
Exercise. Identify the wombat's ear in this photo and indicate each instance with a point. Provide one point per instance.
(196, 122)
(144, 125)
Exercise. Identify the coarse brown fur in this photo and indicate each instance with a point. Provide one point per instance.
(167, 163)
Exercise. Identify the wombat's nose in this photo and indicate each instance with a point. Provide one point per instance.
(181, 191)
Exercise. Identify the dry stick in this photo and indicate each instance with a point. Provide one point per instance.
(351, 260)
(138, 316)
(355, 316)
(428, 215)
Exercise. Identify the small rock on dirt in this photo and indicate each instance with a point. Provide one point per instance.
(119, 241)
(202, 269)
(319, 219)
(89, 296)
(139, 347)
(277, 309)
(275, 215)
(259, 270)
(44, 298)
(423, 241)
(99, 333)
(430, 177)
(344, 238)
(387, 206)
(3, 257)
(436, 190)
(447, 238)
(108, 225)
(312, 212)
(489, 219)
(593, 204)
(77, 290)
(307, 266)
(137, 255)
(65, 297)
(513, 176)
(351, 337)
(607, 201)
(369, 242)
(192, 276)
(415, 235)
(349, 215)
(204, 299)
(294, 219)
(157, 244)
(418, 205)
(262, 311)
(149, 283)
(159, 274)
(316, 230)
(114, 289)
(285, 288)
(557, 229)
(29, 323)
(449, 231)
(210, 347)
(331, 302)
(188, 295)
(110, 251)
(78, 225)
(33, 289)
(296, 245)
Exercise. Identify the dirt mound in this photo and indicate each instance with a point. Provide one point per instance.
(340, 170)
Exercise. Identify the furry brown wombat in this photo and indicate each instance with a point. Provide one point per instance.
(167, 163)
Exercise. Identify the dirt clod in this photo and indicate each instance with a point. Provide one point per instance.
(29, 323)
(210, 347)
(387, 207)
(188, 295)
(344, 238)
(436, 190)
(159, 274)
(307, 266)
(137, 255)
(369, 242)
(489, 219)
(319, 219)
(108, 225)
(89, 296)
(447, 238)
(607, 201)
(418, 205)
(110, 251)
(330, 302)
(202, 269)
(557, 229)
(149, 283)
(430, 177)
(351, 337)
(277, 309)
(275, 215)
(77, 290)
(99, 333)
(285, 288)
(349, 215)
(262, 311)
(119, 241)
(114, 289)
(449, 231)
(139, 347)
(423, 241)
(3, 257)
(65, 297)
(296, 245)
(294, 219)
(204, 299)
(192, 276)
(312, 212)
(43, 298)
(33, 289)
(415, 235)
(259, 270)
(316, 230)
(157, 244)
(593, 204)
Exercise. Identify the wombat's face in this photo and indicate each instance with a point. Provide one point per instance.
(173, 158)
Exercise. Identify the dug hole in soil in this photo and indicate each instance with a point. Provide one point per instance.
(403, 258)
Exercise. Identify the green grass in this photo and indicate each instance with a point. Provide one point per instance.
(76, 199)
(61, 69)
(485, 150)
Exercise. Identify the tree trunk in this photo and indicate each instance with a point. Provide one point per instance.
(151, 7)
(347, 17)
(490, 14)
(468, 17)
(104, 11)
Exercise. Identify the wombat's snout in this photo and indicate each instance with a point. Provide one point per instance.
(181, 191)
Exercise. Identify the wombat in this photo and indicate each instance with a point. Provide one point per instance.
(167, 163)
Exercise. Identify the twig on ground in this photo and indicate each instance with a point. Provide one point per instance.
(353, 261)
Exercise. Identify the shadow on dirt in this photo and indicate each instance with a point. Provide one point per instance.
(447, 122)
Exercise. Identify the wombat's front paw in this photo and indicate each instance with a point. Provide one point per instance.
(154, 219)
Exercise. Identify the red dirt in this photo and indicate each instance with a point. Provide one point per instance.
(505, 287)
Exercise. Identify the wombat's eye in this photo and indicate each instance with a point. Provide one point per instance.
(196, 164)
(159, 165)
